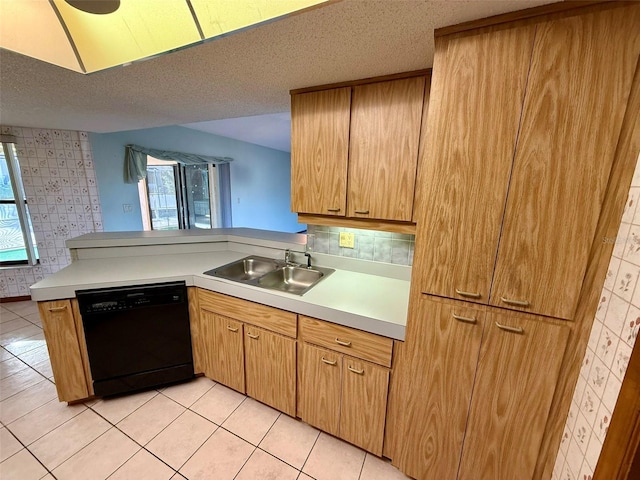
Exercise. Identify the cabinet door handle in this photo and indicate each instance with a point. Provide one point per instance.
(343, 343)
(359, 372)
(464, 319)
(507, 328)
(58, 309)
(468, 294)
(251, 335)
(328, 362)
(333, 209)
(231, 329)
(519, 303)
(363, 212)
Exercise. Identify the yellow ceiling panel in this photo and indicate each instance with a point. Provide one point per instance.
(31, 27)
(218, 17)
(138, 29)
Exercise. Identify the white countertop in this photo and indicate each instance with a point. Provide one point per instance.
(369, 302)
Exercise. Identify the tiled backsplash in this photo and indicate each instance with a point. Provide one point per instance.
(370, 245)
(613, 336)
(60, 185)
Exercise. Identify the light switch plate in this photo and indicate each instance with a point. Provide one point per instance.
(347, 240)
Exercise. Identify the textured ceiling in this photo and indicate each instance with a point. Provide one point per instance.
(245, 74)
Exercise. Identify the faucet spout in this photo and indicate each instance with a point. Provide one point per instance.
(308, 255)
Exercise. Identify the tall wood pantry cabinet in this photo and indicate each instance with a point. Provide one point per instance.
(354, 149)
(527, 120)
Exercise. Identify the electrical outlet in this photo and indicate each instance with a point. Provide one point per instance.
(127, 208)
(347, 240)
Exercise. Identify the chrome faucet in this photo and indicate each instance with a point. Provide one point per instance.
(287, 256)
(308, 255)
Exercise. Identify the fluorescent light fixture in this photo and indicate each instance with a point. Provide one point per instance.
(91, 35)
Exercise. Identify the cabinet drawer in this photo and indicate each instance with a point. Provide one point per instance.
(256, 314)
(356, 343)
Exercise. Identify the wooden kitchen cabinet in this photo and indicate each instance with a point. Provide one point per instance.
(341, 394)
(225, 362)
(371, 132)
(64, 334)
(271, 368)
(319, 151)
(503, 195)
(383, 148)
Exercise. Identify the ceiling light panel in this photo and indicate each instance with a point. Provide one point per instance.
(136, 30)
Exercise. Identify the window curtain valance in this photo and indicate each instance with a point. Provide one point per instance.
(135, 160)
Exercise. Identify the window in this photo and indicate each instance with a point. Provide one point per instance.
(175, 196)
(17, 241)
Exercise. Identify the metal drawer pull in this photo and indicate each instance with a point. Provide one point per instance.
(519, 303)
(344, 344)
(363, 212)
(509, 329)
(468, 294)
(333, 209)
(359, 372)
(464, 319)
(231, 329)
(250, 335)
(58, 309)
(328, 362)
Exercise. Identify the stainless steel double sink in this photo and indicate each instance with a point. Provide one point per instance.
(272, 274)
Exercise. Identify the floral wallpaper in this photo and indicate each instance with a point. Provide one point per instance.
(613, 336)
(60, 184)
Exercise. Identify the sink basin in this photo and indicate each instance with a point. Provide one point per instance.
(292, 279)
(271, 274)
(249, 268)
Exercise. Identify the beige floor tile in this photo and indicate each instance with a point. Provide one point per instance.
(22, 466)
(44, 368)
(9, 445)
(35, 355)
(263, 466)
(221, 457)
(69, 438)
(151, 418)
(290, 440)
(251, 421)
(10, 366)
(177, 476)
(26, 307)
(7, 315)
(186, 434)
(378, 469)
(304, 476)
(333, 459)
(115, 409)
(21, 346)
(143, 466)
(48, 476)
(23, 333)
(19, 381)
(100, 458)
(44, 419)
(33, 318)
(27, 400)
(5, 354)
(11, 325)
(218, 403)
(187, 393)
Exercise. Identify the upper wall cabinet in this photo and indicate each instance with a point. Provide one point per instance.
(319, 151)
(512, 184)
(354, 150)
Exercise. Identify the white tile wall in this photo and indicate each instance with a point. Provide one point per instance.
(60, 184)
(613, 335)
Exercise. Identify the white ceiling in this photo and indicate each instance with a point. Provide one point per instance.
(248, 74)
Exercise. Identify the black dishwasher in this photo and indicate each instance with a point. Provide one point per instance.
(137, 337)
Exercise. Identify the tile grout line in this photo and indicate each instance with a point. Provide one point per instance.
(24, 447)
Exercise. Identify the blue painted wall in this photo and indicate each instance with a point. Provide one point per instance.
(260, 177)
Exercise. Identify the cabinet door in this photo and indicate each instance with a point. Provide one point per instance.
(319, 151)
(572, 115)
(270, 368)
(225, 359)
(383, 148)
(474, 111)
(517, 375)
(363, 405)
(438, 367)
(320, 380)
(64, 350)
